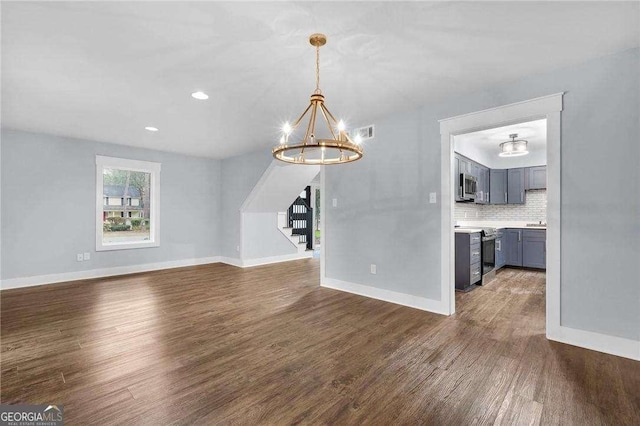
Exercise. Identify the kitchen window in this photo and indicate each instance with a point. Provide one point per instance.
(127, 204)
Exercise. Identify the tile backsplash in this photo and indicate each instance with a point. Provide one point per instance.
(534, 209)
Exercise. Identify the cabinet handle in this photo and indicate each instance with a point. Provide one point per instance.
(505, 197)
(475, 253)
(476, 273)
(487, 195)
(519, 238)
(522, 197)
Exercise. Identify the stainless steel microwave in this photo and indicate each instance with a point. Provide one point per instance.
(468, 186)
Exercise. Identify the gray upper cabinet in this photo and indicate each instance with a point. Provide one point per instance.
(536, 178)
(498, 186)
(483, 184)
(456, 177)
(513, 247)
(515, 186)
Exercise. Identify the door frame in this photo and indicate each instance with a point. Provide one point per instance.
(549, 107)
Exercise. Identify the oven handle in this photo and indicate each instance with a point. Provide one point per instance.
(489, 238)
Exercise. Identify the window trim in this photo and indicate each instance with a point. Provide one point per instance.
(153, 169)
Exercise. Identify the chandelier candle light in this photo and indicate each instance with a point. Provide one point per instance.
(513, 148)
(336, 148)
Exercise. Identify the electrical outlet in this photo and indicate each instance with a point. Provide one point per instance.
(87, 256)
(374, 269)
(432, 197)
(238, 249)
(335, 202)
(79, 257)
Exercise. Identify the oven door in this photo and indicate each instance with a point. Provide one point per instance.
(488, 254)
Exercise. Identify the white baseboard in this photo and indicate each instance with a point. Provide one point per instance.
(612, 345)
(276, 259)
(231, 261)
(101, 273)
(416, 302)
(147, 267)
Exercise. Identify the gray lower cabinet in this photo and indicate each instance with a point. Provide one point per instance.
(498, 186)
(513, 247)
(523, 247)
(515, 186)
(536, 178)
(534, 248)
(468, 260)
(500, 250)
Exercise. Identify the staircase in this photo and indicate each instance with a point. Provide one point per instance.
(297, 222)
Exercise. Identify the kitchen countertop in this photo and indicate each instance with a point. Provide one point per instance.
(467, 230)
(498, 224)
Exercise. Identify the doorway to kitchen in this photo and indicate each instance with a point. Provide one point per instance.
(472, 180)
(500, 210)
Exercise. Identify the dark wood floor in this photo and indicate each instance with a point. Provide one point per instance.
(218, 344)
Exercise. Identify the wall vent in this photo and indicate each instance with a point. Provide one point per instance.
(366, 132)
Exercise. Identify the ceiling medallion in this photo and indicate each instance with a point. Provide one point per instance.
(334, 148)
(513, 148)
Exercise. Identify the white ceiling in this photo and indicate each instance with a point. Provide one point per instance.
(103, 71)
(484, 146)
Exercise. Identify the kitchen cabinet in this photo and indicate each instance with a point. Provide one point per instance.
(522, 247)
(515, 186)
(468, 260)
(465, 165)
(456, 177)
(498, 186)
(500, 250)
(483, 185)
(513, 247)
(536, 178)
(534, 248)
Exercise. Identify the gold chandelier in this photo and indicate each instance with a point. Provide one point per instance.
(336, 148)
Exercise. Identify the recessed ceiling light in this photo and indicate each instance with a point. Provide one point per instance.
(151, 129)
(200, 95)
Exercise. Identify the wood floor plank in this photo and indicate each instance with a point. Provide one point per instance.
(215, 344)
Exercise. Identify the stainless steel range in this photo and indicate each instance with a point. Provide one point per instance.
(488, 253)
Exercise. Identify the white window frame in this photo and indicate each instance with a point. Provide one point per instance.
(153, 169)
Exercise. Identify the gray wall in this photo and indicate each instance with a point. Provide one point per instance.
(238, 176)
(48, 205)
(383, 215)
(261, 237)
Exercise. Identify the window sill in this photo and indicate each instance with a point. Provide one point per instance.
(127, 246)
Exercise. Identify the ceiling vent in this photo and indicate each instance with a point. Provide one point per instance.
(366, 132)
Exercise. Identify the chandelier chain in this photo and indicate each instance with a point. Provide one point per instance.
(318, 70)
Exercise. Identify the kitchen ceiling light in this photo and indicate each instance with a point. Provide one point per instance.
(513, 148)
(200, 96)
(336, 148)
(151, 129)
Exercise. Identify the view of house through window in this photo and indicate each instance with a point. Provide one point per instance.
(126, 206)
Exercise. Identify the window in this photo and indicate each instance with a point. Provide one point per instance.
(128, 204)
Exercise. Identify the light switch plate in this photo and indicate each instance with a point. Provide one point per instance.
(432, 197)
(87, 256)
(335, 202)
(374, 269)
(79, 257)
